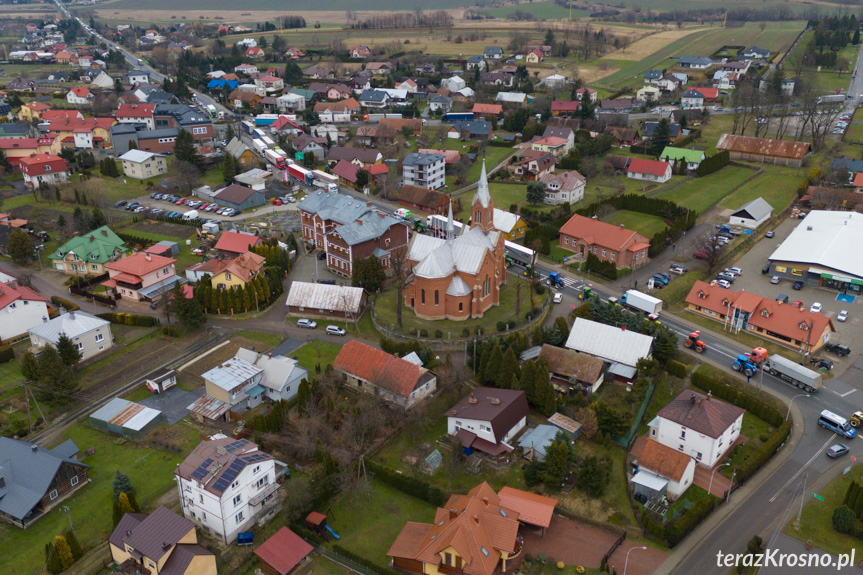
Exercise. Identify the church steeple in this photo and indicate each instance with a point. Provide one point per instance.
(483, 206)
(450, 224)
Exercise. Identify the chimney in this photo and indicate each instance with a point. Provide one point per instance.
(692, 399)
(92, 238)
(72, 315)
(34, 448)
(62, 310)
(700, 402)
(621, 226)
(44, 319)
(452, 513)
(147, 256)
(270, 355)
(128, 532)
(709, 395)
(476, 519)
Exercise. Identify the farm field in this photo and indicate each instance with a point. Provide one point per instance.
(700, 194)
(284, 6)
(641, 223)
(664, 5)
(777, 189)
(540, 10)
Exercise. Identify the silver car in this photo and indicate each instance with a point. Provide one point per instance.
(307, 323)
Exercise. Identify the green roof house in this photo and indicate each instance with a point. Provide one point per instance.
(692, 157)
(88, 253)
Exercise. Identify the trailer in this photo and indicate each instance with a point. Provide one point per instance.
(642, 302)
(437, 226)
(373, 118)
(831, 99)
(268, 141)
(323, 176)
(298, 174)
(519, 254)
(793, 373)
(259, 146)
(457, 116)
(248, 127)
(275, 158)
(265, 119)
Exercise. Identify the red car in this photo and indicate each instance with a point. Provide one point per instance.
(180, 202)
(799, 304)
(700, 255)
(277, 202)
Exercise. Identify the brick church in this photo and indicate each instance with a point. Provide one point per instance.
(458, 277)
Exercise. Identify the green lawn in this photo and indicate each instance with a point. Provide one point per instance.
(753, 428)
(315, 353)
(701, 194)
(777, 190)
(855, 130)
(10, 374)
(641, 223)
(150, 470)
(816, 524)
(385, 312)
(504, 195)
(493, 156)
(369, 528)
(265, 337)
(540, 10)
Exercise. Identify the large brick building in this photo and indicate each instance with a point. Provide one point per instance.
(607, 242)
(458, 277)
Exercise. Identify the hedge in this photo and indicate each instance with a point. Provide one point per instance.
(405, 484)
(675, 532)
(675, 368)
(732, 393)
(131, 319)
(764, 452)
(374, 567)
(713, 163)
(6, 354)
(64, 303)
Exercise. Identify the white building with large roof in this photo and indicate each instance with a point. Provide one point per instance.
(620, 348)
(90, 334)
(819, 250)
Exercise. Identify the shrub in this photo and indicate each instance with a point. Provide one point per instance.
(675, 532)
(64, 303)
(424, 333)
(171, 331)
(131, 319)
(501, 326)
(465, 332)
(410, 485)
(843, 519)
(438, 334)
(412, 330)
(6, 354)
(676, 369)
(539, 289)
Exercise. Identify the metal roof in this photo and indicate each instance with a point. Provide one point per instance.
(538, 438)
(209, 407)
(757, 209)
(231, 374)
(415, 159)
(369, 226)
(73, 324)
(458, 287)
(650, 480)
(612, 344)
(325, 297)
(127, 414)
(333, 206)
(505, 221)
(137, 156)
(823, 238)
(278, 369)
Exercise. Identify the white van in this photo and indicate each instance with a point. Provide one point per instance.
(190, 215)
(836, 423)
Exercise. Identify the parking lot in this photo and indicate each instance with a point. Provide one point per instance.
(168, 207)
(849, 332)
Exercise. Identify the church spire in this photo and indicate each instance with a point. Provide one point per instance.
(450, 225)
(483, 206)
(482, 195)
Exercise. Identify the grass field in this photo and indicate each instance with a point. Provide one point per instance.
(855, 130)
(815, 522)
(830, 80)
(540, 10)
(285, 6)
(701, 194)
(664, 5)
(776, 189)
(151, 472)
(315, 353)
(641, 223)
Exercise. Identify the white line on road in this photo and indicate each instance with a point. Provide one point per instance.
(799, 471)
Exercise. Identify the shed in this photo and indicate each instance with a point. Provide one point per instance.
(173, 248)
(534, 441)
(752, 214)
(283, 552)
(432, 462)
(325, 300)
(162, 380)
(127, 418)
(566, 424)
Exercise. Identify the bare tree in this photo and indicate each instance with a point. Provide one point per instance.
(711, 248)
(188, 173)
(401, 273)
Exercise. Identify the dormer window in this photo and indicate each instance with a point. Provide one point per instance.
(702, 295)
(804, 326)
(725, 302)
(765, 313)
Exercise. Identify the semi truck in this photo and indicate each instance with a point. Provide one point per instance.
(299, 174)
(275, 158)
(792, 373)
(831, 99)
(457, 116)
(259, 146)
(265, 119)
(519, 254)
(268, 141)
(372, 118)
(325, 181)
(248, 127)
(642, 302)
(258, 133)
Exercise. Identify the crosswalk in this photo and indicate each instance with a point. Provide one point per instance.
(567, 282)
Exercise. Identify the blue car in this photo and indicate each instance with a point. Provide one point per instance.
(660, 279)
(172, 214)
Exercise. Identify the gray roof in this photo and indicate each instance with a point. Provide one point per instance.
(73, 324)
(851, 164)
(159, 133)
(137, 156)
(650, 129)
(824, 239)
(66, 450)
(27, 473)
(333, 206)
(367, 227)
(458, 287)
(475, 59)
(278, 369)
(653, 74)
(231, 374)
(609, 343)
(538, 438)
(364, 155)
(760, 52)
(557, 132)
(695, 60)
(125, 128)
(482, 194)
(692, 94)
(150, 535)
(441, 100)
(439, 258)
(373, 96)
(325, 297)
(235, 193)
(491, 50)
(473, 127)
(415, 159)
(757, 209)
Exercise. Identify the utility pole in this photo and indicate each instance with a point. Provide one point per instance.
(27, 401)
(69, 515)
(802, 495)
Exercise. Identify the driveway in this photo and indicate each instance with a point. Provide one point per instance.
(173, 403)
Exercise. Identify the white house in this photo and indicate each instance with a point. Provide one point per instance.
(453, 83)
(90, 334)
(134, 77)
(563, 187)
(24, 309)
(424, 170)
(752, 214)
(692, 99)
(291, 103)
(698, 425)
(226, 485)
(648, 94)
(142, 165)
(663, 471)
(488, 420)
(281, 375)
(79, 96)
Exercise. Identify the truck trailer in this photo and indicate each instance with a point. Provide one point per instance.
(457, 116)
(212, 110)
(642, 302)
(793, 373)
(248, 127)
(259, 146)
(275, 158)
(372, 118)
(299, 174)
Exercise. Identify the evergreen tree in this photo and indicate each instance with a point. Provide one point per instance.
(508, 368)
(133, 501)
(247, 299)
(121, 484)
(661, 137)
(557, 458)
(856, 39)
(229, 168)
(513, 381)
(125, 506)
(229, 133)
(74, 545)
(57, 382)
(185, 150)
(97, 218)
(491, 372)
(52, 559)
(526, 382)
(483, 369)
(63, 551)
(67, 350)
(116, 512)
(684, 123)
(535, 193)
(20, 246)
(191, 315)
(29, 366)
(304, 395)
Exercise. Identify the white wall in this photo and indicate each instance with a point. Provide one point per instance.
(746, 222)
(705, 450)
(422, 392)
(15, 321)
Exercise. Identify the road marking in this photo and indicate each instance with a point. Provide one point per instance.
(846, 394)
(799, 471)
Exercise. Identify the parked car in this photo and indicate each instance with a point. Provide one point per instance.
(120, 204)
(277, 202)
(782, 298)
(132, 206)
(180, 202)
(172, 214)
(153, 196)
(816, 307)
(322, 255)
(798, 304)
(335, 330)
(766, 269)
(723, 284)
(701, 255)
(770, 234)
(838, 348)
(843, 315)
(156, 211)
(307, 323)
(821, 363)
(735, 271)
(775, 280)
(798, 285)
(727, 277)
(140, 209)
(677, 271)
(661, 279)
(680, 267)
(837, 450)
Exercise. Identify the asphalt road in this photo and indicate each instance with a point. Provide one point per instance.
(855, 89)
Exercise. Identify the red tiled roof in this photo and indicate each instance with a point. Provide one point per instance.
(600, 233)
(379, 169)
(345, 169)
(768, 314)
(565, 105)
(651, 167)
(701, 413)
(38, 163)
(708, 93)
(532, 508)
(18, 143)
(135, 111)
(37, 106)
(283, 551)
(858, 180)
(8, 294)
(66, 124)
(140, 264)
(81, 91)
(51, 115)
(487, 108)
(236, 242)
(663, 460)
(380, 368)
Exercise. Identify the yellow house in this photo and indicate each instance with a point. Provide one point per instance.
(26, 147)
(32, 111)
(83, 132)
(475, 533)
(161, 542)
(87, 255)
(512, 226)
(226, 274)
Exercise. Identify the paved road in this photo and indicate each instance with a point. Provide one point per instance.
(855, 88)
(769, 500)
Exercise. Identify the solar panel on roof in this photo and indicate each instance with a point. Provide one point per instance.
(255, 457)
(201, 471)
(236, 445)
(221, 484)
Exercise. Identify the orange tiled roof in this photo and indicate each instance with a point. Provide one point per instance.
(380, 368)
(140, 264)
(663, 460)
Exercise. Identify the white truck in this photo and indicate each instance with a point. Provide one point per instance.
(793, 373)
(636, 300)
(325, 181)
(259, 146)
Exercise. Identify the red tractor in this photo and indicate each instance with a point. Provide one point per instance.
(694, 342)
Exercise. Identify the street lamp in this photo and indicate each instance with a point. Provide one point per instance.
(711, 476)
(625, 563)
(787, 415)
